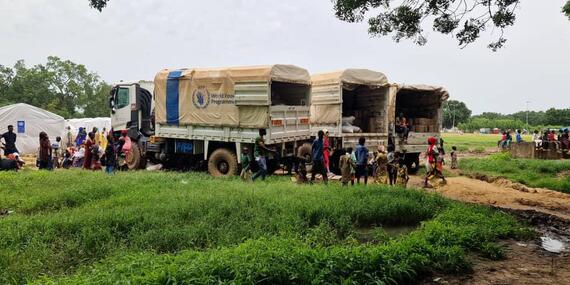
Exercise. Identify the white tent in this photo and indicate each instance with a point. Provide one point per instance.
(28, 122)
(88, 124)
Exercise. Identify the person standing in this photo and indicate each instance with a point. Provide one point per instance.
(9, 141)
(245, 165)
(346, 166)
(432, 163)
(45, 155)
(317, 152)
(391, 165)
(260, 152)
(453, 157)
(102, 140)
(89, 151)
(110, 156)
(326, 152)
(69, 137)
(382, 165)
(56, 149)
(402, 177)
(80, 138)
(361, 161)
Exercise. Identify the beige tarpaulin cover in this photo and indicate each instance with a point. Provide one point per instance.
(437, 90)
(351, 76)
(329, 113)
(207, 96)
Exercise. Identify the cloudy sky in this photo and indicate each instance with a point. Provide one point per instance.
(133, 39)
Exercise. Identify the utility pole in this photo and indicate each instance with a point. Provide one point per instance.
(527, 102)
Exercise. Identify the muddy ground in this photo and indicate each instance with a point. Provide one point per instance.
(526, 262)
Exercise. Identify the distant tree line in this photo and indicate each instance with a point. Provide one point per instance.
(456, 113)
(59, 86)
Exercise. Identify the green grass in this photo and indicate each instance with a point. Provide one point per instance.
(73, 227)
(551, 174)
(473, 142)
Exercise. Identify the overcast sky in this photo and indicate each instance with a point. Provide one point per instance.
(134, 39)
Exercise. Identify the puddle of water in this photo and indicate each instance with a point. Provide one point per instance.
(397, 231)
(368, 234)
(553, 245)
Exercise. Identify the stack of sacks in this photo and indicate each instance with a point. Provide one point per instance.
(347, 126)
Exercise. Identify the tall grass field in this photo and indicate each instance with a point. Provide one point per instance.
(76, 227)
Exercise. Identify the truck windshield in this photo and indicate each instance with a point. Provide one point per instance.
(122, 98)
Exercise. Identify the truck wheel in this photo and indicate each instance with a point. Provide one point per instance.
(222, 162)
(133, 158)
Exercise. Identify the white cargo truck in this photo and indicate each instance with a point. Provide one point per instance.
(350, 104)
(356, 103)
(205, 116)
(422, 106)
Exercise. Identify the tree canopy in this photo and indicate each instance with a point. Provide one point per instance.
(406, 19)
(454, 113)
(59, 86)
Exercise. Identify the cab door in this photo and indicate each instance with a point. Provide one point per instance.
(124, 101)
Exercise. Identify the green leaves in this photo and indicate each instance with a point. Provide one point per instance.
(466, 20)
(454, 113)
(60, 86)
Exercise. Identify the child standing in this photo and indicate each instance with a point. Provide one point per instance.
(245, 165)
(453, 157)
(56, 152)
(403, 178)
(347, 165)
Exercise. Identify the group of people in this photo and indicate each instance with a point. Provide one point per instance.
(90, 151)
(548, 138)
(386, 165)
(542, 140)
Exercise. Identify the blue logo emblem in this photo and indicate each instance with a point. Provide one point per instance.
(201, 98)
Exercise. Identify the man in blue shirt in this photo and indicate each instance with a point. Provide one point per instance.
(361, 161)
(318, 158)
(519, 136)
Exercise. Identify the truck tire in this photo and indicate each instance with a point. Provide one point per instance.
(134, 158)
(222, 162)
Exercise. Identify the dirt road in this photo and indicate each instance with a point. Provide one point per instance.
(502, 193)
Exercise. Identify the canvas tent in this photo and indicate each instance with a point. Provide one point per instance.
(88, 124)
(28, 122)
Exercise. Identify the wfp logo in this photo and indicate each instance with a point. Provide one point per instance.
(201, 98)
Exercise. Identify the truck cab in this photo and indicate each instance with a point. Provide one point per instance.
(126, 104)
